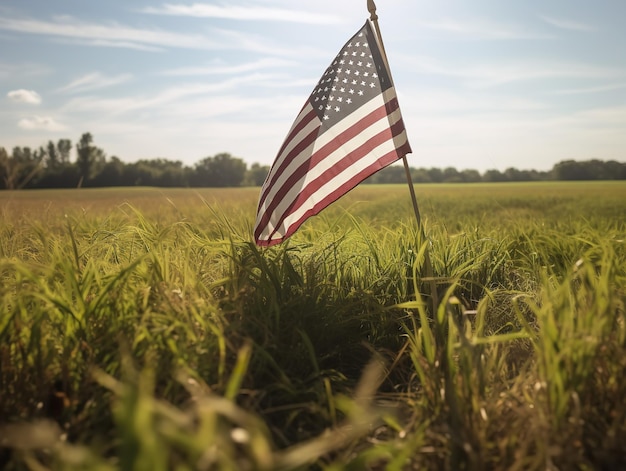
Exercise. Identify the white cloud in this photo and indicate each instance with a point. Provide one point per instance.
(94, 81)
(563, 23)
(40, 123)
(118, 35)
(203, 10)
(481, 29)
(24, 96)
(219, 68)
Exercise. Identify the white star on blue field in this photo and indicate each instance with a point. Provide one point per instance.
(482, 85)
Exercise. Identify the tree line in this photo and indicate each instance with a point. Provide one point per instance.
(51, 166)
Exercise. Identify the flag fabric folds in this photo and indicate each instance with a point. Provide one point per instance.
(349, 128)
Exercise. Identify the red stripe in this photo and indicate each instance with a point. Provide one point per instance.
(346, 162)
(384, 161)
(324, 152)
(303, 144)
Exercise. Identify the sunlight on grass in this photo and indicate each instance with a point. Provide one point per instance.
(143, 329)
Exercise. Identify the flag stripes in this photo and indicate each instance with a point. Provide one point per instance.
(349, 128)
(311, 172)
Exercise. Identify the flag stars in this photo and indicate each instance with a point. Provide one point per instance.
(348, 83)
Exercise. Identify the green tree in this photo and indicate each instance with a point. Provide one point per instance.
(89, 157)
(255, 176)
(20, 168)
(64, 147)
(221, 170)
(52, 155)
(471, 176)
(494, 175)
(451, 175)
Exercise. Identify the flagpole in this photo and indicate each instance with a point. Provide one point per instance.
(371, 7)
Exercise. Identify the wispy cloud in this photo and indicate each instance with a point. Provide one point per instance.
(21, 70)
(249, 13)
(24, 96)
(40, 123)
(493, 74)
(94, 81)
(589, 90)
(481, 29)
(170, 95)
(119, 35)
(564, 23)
(220, 68)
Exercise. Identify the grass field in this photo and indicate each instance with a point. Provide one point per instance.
(141, 329)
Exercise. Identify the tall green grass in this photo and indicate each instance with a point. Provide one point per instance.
(152, 333)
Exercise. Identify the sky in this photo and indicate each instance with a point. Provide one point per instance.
(482, 84)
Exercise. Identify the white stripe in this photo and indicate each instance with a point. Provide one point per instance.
(304, 132)
(325, 138)
(384, 123)
(332, 159)
(335, 183)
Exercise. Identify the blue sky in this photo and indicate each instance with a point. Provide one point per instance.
(482, 84)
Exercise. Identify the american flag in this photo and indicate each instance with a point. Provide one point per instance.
(349, 128)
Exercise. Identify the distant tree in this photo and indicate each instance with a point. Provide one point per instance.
(494, 175)
(420, 175)
(52, 155)
(255, 176)
(471, 176)
(221, 170)
(4, 165)
(89, 157)
(451, 175)
(20, 167)
(436, 175)
(64, 148)
(392, 174)
(569, 170)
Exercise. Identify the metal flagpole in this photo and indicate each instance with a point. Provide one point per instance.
(371, 7)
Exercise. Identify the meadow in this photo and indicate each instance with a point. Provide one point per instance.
(142, 329)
